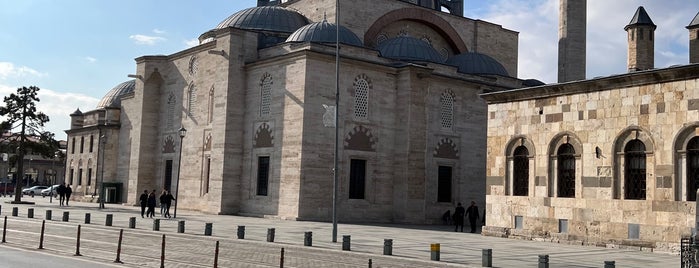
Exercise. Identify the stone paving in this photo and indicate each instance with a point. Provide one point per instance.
(141, 245)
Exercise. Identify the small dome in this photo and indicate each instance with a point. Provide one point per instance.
(324, 32)
(265, 18)
(477, 63)
(409, 49)
(113, 97)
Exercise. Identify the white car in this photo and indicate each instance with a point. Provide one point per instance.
(50, 191)
(33, 190)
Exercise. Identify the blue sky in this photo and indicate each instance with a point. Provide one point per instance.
(76, 50)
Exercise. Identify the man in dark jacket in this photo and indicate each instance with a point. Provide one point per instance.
(458, 217)
(68, 192)
(61, 191)
(472, 213)
(144, 201)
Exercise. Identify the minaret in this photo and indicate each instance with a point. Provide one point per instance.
(694, 40)
(572, 32)
(641, 45)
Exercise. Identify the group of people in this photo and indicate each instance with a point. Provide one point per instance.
(460, 213)
(64, 191)
(148, 200)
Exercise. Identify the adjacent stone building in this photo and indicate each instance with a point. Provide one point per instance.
(252, 96)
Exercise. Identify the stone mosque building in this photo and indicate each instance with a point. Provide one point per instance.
(610, 161)
(251, 97)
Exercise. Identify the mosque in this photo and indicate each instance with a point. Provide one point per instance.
(431, 113)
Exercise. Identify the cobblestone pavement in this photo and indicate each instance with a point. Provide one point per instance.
(142, 246)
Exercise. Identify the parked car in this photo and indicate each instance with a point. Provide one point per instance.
(33, 190)
(50, 191)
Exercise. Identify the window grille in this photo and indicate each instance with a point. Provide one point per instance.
(635, 170)
(446, 103)
(361, 99)
(566, 171)
(266, 96)
(521, 171)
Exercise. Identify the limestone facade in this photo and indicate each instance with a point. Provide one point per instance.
(562, 166)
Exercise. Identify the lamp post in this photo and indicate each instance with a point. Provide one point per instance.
(103, 142)
(53, 177)
(183, 132)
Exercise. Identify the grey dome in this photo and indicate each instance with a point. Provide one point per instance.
(113, 97)
(477, 63)
(324, 32)
(532, 83)
(265, 18)
(409, 49)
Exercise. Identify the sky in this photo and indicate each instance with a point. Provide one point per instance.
(77, 50)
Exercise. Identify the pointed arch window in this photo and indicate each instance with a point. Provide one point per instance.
(266, 96)
(446, 103)
(361, 99)
(211, 105)
(635, 170)
(192, 99)
(171, 102)
(520, 185)
(566, 170)
(692, 168)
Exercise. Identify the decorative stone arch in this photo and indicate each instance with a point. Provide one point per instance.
(625, 136)
(514, 143)
(360, 138)
(168, 144)
(421, 15)
(263, 137)
(557, 141)
(680, 182)
(446, 148)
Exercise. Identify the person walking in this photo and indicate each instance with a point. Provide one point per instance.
(61, 191)
(472, 213)
(144, 201)
(459, 217)
(162, 202)
(151, 205)
(69, 191)
(168, 202)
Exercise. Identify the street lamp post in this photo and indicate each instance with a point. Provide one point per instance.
(53, 177)
(183, 132)
(103, 142)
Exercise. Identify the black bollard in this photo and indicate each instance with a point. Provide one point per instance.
(388, 247)
(609, 264)
(270, 234)
(77, 243)
(346, 242)
(180, 226)
(121, 234)
(0, 209)
(48, 215)
(241, 231)
(108, 220)
(208, 228)
(87, 218)
(156, 224)
(66, 216)
(15, 211)
(216, 256)
(281, 259)
(30, 213)
(162, 254)
(41, 238)
(4, 230)
(369, 263)
(132, 222)
(487, 260)
(434, 252)
(543, 261)
(308, 239)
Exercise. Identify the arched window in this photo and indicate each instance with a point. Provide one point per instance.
(361, 99)
(566, 170)
(171, 102)
(446, 103)
(211, 105)
(635, 170)
(520, 185)
(265, 95)
(192, 99)
(692, 168)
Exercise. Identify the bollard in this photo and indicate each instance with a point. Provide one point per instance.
(108, 220)
(345, 242)
(369, 263)
(41, 238)
(30, 213)
(434, 252)
(308, 239)
(208, 228)
(162, 254)
(87, 218)
(66, 215)
(132, 222)
(156, 224)
(388, 247)
(180, 226)
(487, 258)
(121, 234)
(281, 259)
(270, 234)
(15, 211)
(0, 209)
(241, 231)
(48, 215)
(4, 230)
(609, 264)
(77, 244)
(216, 256)
(543, 261)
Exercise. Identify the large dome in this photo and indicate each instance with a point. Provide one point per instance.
(409, 49)
(265, 18)
(324, 32)
(113, 97)
(477, 63)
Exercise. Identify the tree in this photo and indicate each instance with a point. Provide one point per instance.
(27, 123)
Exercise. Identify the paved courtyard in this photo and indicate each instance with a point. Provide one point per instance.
(142, 246)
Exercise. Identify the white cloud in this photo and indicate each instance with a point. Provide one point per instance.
(191, 42)
(158, 31)
(90, 59)
(146, 40)
(8, 70)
